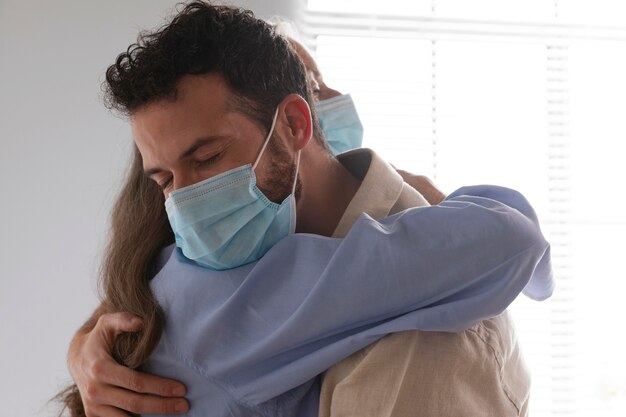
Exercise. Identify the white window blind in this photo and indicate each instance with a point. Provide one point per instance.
(527, 94)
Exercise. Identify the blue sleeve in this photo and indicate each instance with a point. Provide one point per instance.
(311, 301)
(541, 285)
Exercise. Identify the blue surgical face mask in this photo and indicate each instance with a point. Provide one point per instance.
(340, 123)
(226, 221)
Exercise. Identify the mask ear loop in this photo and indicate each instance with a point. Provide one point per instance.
(267, 140)
(295, 179)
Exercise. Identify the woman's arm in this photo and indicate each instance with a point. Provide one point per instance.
(311, 301)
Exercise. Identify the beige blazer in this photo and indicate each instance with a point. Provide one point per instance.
(476, 373)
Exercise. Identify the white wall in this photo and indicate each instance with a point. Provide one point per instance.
(62, 155)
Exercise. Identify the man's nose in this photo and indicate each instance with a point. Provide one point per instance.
(182, 180)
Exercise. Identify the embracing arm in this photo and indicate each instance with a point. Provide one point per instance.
(311, 301)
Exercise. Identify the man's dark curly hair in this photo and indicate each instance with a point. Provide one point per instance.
(259, 65)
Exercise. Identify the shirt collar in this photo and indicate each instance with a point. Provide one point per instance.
(380, 187)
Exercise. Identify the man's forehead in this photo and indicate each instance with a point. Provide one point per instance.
(208, 92)
(199, 99)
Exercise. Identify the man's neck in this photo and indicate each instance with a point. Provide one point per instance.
(328, 188)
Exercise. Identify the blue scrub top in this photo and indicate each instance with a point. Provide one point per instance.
(252, 341)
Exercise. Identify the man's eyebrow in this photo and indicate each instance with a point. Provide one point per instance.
(196, 145)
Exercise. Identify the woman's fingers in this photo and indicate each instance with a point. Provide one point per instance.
(142, 403)
(139, 382)
(109, 389)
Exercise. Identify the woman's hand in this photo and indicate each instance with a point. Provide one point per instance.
(108, 388)
(425, 186)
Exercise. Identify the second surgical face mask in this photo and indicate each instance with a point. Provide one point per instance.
(340, 123)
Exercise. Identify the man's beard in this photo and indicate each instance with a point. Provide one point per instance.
(278, 181)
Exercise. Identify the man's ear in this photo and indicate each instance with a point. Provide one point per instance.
(296, 125)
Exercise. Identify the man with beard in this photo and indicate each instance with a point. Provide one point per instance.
(235, 148)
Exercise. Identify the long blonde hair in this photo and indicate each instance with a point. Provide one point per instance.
(139, 231)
